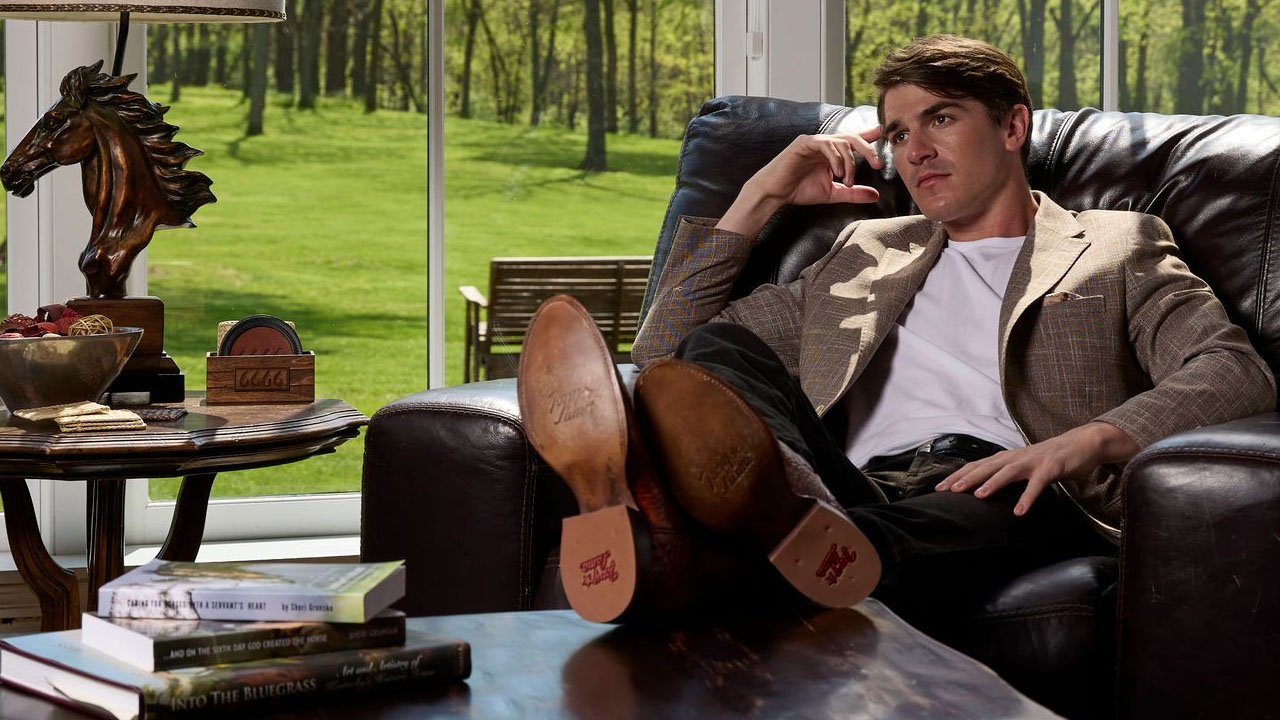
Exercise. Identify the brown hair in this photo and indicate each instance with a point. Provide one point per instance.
(956, 67)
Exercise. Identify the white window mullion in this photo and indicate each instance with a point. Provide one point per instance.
(792, 49)
(1110, 54)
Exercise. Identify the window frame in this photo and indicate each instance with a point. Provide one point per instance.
(799, 41)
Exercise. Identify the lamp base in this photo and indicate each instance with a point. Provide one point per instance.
(150, 369)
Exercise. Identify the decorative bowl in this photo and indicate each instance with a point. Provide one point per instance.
(56, 369)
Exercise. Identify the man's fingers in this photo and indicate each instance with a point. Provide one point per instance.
(1005, 475)
(861, 144)
(1034, 488)
(855, 194)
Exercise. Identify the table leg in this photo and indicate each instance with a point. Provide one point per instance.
(55, 587)
(106, 534)
(187, 528)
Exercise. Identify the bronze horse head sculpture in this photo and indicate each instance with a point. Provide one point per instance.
(134, 181)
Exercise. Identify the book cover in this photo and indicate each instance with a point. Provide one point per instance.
(313, 592)
(60, 667)
(162, 644)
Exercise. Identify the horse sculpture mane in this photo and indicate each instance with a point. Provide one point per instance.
(134, 181)
(186, 190)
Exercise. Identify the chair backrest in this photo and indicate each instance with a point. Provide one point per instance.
(610, 288)
(1214, 180)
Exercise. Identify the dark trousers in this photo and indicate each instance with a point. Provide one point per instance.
(943, 553)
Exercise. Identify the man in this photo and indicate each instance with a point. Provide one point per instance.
(981, 353)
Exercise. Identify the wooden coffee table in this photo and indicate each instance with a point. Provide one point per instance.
(856, 663)
(208, 440)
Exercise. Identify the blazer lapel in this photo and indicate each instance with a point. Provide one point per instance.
(870, 302)
(1054, 243)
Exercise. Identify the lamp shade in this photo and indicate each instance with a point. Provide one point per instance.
(189, 11)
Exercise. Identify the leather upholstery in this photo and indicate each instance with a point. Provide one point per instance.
(451, 485)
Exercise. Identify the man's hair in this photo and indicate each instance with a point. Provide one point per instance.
(956, 67)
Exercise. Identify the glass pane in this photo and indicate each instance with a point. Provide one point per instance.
(1197, 56)
(1055, 42)
(516, 135)
(321, 215)
(4, 206)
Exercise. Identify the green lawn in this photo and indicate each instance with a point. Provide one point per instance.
(323, 221)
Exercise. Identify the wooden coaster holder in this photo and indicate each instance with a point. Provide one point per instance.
(254, 379)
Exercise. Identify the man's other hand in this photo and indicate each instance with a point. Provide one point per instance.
(812, 170)
(1072, 454)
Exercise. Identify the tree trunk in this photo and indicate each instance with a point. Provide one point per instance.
(1245, 54)
(400, 49)
(221, 35)
(175, 90)
(246, 60)
(286, 47)
(309, 54)
(258, 81)
(360, 47)
(611, 69)
(653, 69)
(159, 52)
(468, 53)
(375, 58)
(202, 56)
(1191, 44)
(335, 65)
(1031, 20)
(191, 57)
(535, 58)
(541, 63)
(1140, 82)
(1066, 58)
(594, 160)
(633, 116)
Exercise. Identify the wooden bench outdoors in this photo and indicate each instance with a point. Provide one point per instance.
(610, 288)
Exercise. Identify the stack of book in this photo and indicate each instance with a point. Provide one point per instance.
(173, 638)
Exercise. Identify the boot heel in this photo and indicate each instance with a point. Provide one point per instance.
(598, 562)
(827, 558)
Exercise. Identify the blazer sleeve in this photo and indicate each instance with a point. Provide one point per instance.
(694, 288)
(1203, 369)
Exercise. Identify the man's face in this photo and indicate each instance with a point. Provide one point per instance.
(955, 160)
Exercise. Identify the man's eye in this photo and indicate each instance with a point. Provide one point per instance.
(941, 119)
(897, 138)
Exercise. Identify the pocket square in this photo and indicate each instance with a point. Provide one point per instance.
(1063, 296)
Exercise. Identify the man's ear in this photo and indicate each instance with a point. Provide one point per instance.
(1016, 128)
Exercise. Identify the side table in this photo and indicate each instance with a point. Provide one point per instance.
(206, 441)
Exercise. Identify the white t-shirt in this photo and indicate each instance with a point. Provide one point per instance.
(938, 370)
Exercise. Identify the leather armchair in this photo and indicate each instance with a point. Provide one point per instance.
(1185, 624)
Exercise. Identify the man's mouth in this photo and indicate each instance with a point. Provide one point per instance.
(927, 179)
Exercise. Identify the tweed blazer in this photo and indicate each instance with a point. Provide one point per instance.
(1101, 320)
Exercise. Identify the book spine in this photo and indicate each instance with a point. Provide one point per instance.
(233, 604)
(180, 652)
(232, 688)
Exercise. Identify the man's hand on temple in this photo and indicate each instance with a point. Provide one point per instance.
(1074, 453)
(812, 170)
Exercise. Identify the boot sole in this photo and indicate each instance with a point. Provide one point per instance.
(726, 470)
(573, 411)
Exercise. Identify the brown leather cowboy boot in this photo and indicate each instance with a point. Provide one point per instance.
(725, 468)
(627, 551)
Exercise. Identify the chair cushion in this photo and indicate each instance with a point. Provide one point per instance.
(1051, 634)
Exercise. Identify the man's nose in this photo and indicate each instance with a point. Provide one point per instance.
(919, 149)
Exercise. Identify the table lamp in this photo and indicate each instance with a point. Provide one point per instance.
(134, 177)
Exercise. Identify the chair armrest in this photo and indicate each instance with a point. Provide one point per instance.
(452, 486)
(473, 295)
(1200, 574)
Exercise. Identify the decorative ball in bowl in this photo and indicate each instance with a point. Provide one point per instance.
(56, 369)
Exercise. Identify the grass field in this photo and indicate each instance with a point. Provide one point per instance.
(322, 220)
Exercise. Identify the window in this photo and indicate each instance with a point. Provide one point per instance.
(1055, 42)
(519, 84)
(1199, 56)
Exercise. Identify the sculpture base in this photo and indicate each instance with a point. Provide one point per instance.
(150, 369)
